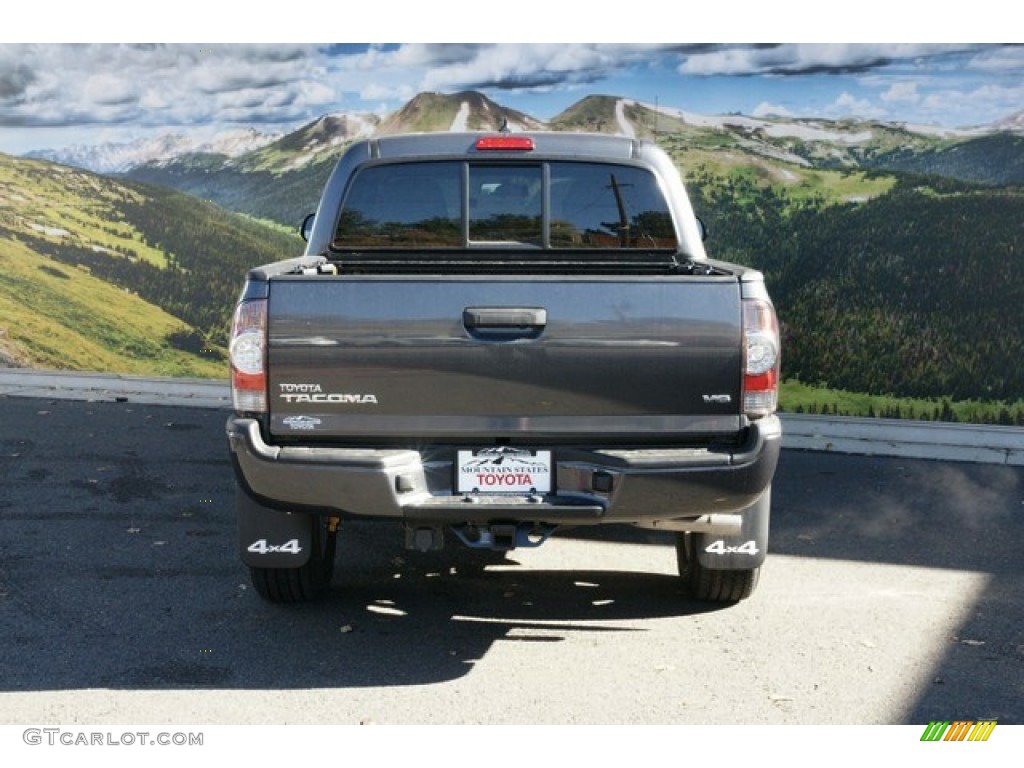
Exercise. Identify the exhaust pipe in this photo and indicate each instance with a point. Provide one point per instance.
(717, 524)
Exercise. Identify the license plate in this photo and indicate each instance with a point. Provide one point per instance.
(503, 470)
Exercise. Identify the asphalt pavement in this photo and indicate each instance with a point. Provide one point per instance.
(892, 595)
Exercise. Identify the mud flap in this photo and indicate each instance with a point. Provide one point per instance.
(270, 538)
(744, 551)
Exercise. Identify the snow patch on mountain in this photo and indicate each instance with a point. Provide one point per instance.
(806, 132)
(1014, 122)
(120, 157)
(941, 132)
(771, 128)
(461, 118)
(235, 143)
(625, 127)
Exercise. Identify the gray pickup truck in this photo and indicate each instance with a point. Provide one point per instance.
(493, 336)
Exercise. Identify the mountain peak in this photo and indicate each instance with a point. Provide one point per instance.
(462, 111)
(1014, 123)
(793, 140)
(119, 157)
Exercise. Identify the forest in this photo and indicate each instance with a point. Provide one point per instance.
(204, 252)
(207, 259)
(916, 293)
(284, 198)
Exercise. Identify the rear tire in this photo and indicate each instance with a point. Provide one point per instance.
(727, 586)
(307, 582)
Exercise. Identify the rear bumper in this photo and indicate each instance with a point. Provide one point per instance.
(591, 486)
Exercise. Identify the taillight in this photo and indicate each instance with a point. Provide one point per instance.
(761, 358)
(248, 353)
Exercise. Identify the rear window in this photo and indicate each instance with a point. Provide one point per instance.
(549, 205)
(403, 206)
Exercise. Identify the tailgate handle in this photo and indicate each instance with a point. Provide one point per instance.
(504, 318)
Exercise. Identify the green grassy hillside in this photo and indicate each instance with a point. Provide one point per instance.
(97, 274)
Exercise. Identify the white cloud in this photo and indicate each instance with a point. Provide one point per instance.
(902, 93)
(809, 58)
(154, 100)
(401, 72)
(315, 93)
(964, 107)
(378, 92)
(159, 85)
(999, 59)
(847, 105)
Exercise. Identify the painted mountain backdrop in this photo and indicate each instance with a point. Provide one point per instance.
(890, 249)
(280, 177)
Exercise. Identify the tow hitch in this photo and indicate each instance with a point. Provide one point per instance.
(504, 536)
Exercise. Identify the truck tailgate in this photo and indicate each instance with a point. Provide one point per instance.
(400, 358)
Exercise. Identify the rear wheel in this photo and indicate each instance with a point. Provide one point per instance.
(725, 586)
(307, 582)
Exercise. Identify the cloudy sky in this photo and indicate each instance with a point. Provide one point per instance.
(56, 94)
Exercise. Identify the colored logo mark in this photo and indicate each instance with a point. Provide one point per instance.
(958, 730)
